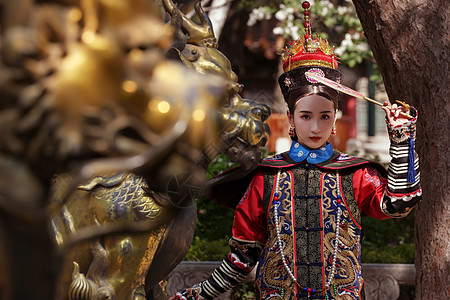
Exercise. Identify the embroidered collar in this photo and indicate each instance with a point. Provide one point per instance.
(298, 153)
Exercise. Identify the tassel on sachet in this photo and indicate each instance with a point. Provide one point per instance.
(411, 176)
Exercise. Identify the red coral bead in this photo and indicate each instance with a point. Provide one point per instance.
(275, 198)
(306, 13)
(339, 201)
(306, 24)
(309, 290)
(305, 5)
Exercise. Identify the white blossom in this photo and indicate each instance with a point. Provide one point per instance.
(347, 42)
(356, 35)
(290, 10)
(258, 14)
(335, 17)
(362, 47)
(326, 4)
(281, 15)
(342, 10)
(339, 50)
(251, 21)
(278, 31)
(294, 33)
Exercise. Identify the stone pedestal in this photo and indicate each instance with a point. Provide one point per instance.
(381, 280)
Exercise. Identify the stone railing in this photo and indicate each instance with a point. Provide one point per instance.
(382, 281)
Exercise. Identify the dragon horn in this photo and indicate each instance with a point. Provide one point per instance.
(200, 35)
(79, 288)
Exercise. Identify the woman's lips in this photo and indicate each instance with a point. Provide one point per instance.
(315, 138)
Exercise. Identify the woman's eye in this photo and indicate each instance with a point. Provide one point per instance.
(305, 117)
(325, 117)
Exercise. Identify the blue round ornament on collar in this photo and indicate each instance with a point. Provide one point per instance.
(299, 153)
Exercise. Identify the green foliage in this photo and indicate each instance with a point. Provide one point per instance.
(208, 250)
(220, 164)
(244, 291)
(214, 221)
(248, 5)
(399, 254)
(388, 241)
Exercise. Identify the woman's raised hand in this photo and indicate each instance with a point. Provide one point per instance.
(393, 114)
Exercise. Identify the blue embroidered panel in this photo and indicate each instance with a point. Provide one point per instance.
(348, 277)
(272, 277)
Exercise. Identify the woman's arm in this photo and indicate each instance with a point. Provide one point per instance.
(403, 187)
(398, 194)
(233, 269)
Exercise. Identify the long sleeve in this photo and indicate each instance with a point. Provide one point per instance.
(403, 189)
(397, 194)
(249, 236)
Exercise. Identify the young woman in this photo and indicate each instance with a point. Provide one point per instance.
(300, 216)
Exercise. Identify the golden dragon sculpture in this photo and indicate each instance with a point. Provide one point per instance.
(112, 97)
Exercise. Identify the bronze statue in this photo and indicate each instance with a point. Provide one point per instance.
(88, 92)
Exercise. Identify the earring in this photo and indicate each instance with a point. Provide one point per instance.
(333, 129)
(291, 131)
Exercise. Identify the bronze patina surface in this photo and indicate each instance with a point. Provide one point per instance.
(109, 113)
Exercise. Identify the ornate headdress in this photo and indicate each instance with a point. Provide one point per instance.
(307, 54)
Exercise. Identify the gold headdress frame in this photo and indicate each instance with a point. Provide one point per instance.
(308, 50)
(300, 46)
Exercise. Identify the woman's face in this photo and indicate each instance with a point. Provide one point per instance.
(313, 119)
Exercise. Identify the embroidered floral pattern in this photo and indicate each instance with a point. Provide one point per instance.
(373, 177)
(348, 265)
(274, 157)
(245, 194)
(240, 264)
(344, 157)
(275, 278)
(192, 293)
(315, 71)
(401, 133)
(287, 82)
(404, 197)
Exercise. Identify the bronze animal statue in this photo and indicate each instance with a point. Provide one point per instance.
(88, 93)
(244, 131)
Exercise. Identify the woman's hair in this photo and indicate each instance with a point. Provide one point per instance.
(307, 90)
